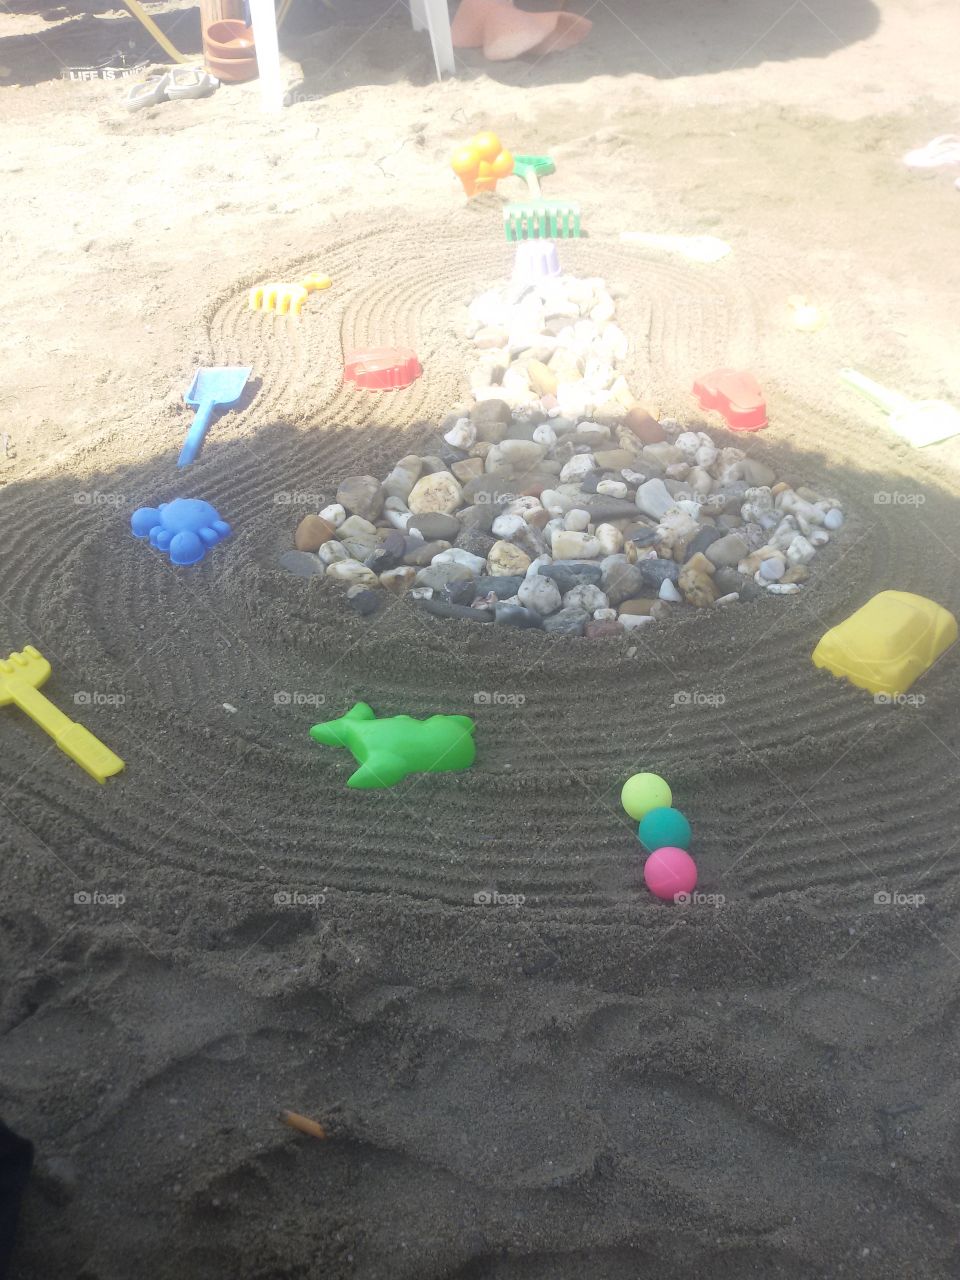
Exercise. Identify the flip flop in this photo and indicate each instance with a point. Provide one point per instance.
(191, 82)
(148, 92)
(942, 150)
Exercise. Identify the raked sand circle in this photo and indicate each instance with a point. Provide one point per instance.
(790, 781)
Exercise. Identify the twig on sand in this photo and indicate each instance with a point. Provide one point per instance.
(303, 1125)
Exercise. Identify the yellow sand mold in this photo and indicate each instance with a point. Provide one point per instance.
(888, 643)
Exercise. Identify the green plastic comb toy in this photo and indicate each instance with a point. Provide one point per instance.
(539, 219)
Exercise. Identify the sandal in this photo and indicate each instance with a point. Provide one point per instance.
(191, 82)
(148, 93)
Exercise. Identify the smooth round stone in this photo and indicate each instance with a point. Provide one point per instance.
(312, 532)
(586, 597)
(664, 826)
(514, 615)
(423, 554)
(612, 488)
(331, 552)
(438, 575)
(644, 425)
(361, 496)
(540, 594)
(334, 514)
(364, 601)
(610, 539)
(456, 555)
(505, 558)
(654, 498)
(353, 573)
(622, 581)
(568, 622)
(303, 564)
(435, 525)
(437, 492)
(443, 609)
(571, 545)
(604, 615)
(502, 585)
(403, 477)
(575, 520)
(508, 525)
(568, 574)
(727, 550)
(701, 540)
(833, 519)
(654, 571)
(601, 630)
(773, 569)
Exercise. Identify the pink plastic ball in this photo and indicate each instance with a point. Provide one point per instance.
(669, 871)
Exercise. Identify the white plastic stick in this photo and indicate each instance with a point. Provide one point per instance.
(263, 19)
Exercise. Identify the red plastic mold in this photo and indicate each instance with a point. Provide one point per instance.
(736, 395)
(381, 368)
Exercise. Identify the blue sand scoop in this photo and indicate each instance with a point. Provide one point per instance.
(211, 389)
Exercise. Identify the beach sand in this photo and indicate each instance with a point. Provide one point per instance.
(591, 1084)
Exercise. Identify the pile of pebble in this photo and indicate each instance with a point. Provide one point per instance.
(559, 503)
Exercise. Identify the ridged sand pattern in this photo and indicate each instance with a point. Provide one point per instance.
(796, 781)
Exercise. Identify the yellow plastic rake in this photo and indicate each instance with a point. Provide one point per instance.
(20, 676)
(287, 299)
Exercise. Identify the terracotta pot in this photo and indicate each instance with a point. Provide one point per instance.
(229, 38)
(232, 70)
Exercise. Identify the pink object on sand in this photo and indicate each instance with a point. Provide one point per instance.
(670, 871)
(505, 32)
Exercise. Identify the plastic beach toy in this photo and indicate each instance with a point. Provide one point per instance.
(536, 260)
(538, 218)
(669, 873)
(389, 749)
(643, 792)
(288, 299)
(481, 163)
(662, 827)
(888, 643)
(382, 368)
(735, 395)
(942, 150)
(186, 528)
(921, 422)
(210, 390)
(20, 677)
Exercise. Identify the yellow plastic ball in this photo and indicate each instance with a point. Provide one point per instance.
(643, 792)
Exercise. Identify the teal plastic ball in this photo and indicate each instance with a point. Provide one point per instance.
(662, 827)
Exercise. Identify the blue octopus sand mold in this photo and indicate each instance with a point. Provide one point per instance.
(389, 749)
(186, 528)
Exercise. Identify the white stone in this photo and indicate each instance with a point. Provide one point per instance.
(508, 525)
(654, 498)
(334, 515)
(545, 435)
(668, 591)
(580, 465)
(706, 455)
(534, 566)
(398, 519)
(456, 555)
(462, 434)
(525, 505)
(688, 442)
(634, 621)
(587, 597)
(730, 598)
(505, 558)
(612, 488)
(783, 588)
(542, 595)
(569, 545)
(577, 519)
(800, 551)
(421, 593)
(832, 520)
(354, 525)
(331, 552)
(819, 537)
(514, 453)
(352, 572)
(604, 615)
(438, 491)
(609, 537)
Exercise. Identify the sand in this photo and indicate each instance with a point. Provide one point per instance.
(590, 1084)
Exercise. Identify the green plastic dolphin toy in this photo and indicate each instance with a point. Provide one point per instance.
(387, 750)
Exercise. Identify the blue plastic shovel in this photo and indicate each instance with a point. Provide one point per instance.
(211, 389)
